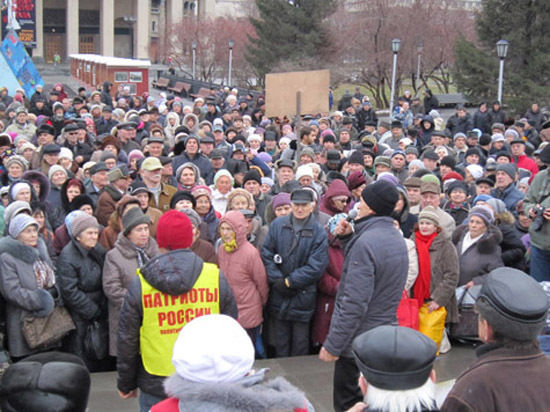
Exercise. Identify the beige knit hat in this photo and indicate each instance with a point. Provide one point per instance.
(429, 213)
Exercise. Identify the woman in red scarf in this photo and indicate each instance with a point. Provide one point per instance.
(438, 267)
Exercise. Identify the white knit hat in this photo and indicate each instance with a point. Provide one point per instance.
(213, 348)
(304, 170)
(65, 153)
(475, 170)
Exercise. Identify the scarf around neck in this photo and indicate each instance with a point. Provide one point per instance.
(422, 284)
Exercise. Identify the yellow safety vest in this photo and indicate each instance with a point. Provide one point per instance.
(164, 315)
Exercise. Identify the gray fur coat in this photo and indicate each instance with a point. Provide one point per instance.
(250, 394)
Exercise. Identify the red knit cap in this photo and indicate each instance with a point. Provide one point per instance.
(174, 231)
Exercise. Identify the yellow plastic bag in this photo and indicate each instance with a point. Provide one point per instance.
(432, 324)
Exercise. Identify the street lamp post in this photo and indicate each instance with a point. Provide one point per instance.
(230, 43)
(194, 47)
(419, 49)
(502, 51)
(395, 46)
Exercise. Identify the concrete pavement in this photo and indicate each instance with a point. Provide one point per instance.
(307, 372)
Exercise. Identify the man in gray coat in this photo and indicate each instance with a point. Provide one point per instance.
(373, 278)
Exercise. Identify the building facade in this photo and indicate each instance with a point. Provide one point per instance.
(120, 28)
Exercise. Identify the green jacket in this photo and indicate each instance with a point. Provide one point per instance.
(539, 193)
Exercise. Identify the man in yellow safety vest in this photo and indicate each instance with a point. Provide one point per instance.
(168, 292)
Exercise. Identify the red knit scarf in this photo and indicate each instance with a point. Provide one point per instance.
(422, 284)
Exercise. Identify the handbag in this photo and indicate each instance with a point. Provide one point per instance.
(432, 324)
(466, 328)
(96, 341)
(407, 311)
(46, 331)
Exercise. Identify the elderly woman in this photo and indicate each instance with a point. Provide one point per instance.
(15, 166)
(244, 269)
(57, 176)
(204, 208)
(477, 244)
(80, 267)
(187, 176)
(438, 268)
(240, 199)
(222, 187)
(28, 280)
(133, 248)
(22, 190)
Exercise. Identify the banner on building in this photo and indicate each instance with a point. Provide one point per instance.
(24, 12)
(16, 57)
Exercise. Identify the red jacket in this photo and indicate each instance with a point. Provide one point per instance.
(167, 405)
(525, 162)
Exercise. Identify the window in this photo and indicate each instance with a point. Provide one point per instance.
(121, 77)
(136, 77)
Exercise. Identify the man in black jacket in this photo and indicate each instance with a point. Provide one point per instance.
(373, 278)
(169, 291)
(295, 254)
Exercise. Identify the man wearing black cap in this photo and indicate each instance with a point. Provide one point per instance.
(295, 254)
(119, 181)
(98, 180)
(396, 135)
(106, 122)
(375, 270)
(511, 373)
(537, 206)
(285, 170)
(396, 365)
(126, 132)
(44, 135)
(81, 150)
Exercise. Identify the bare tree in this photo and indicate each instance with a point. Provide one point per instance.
(212, 52)
(363, 35)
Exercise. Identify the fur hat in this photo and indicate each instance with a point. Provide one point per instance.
(429, 213)
(213, 349)
(83, 222)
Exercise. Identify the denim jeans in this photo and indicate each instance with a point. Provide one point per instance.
(147, 401)
(540, 264)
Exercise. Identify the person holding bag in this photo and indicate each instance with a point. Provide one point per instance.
(27, 281)
(438, 272)
(79, 271)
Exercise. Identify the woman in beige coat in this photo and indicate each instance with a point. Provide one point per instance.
(133, 248)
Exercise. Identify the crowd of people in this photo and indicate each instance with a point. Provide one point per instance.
(138, 214)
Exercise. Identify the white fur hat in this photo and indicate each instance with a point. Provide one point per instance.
(213, 348)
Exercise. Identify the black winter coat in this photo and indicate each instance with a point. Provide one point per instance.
(513, 251)
(304, 256)
(79, 274)
(173, 273)
(374, 274)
